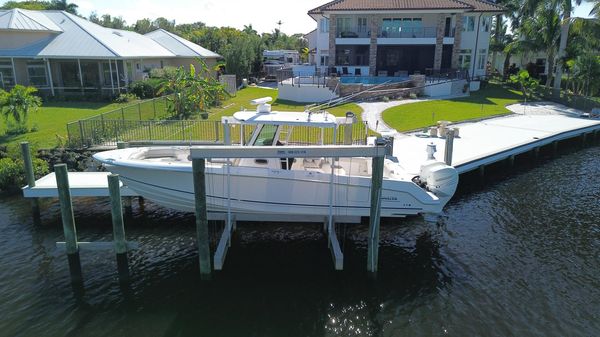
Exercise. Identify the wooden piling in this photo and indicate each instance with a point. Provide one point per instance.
(348, 134)
(120, 242)
(226, 133)
(127, 201)
(482, 174)
(511, 162)
(449, 148)
(374, 216)
(536, 153)
(68, 221)
(30, 178)
(198, 169)
(583, 140)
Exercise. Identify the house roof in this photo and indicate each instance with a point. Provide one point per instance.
(179, 45)
(80, 38)
(395, 5)
(20, 19)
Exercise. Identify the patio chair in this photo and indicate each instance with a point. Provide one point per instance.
(401, 73)
(383, 73)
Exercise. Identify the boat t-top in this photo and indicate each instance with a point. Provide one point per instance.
(282, 186)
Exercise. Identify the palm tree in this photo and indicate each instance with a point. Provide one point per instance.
(565, 8)
(543, 33)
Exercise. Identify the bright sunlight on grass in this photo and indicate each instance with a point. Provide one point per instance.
(487, 102)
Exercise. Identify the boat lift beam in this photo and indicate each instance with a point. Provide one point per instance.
(199, 154)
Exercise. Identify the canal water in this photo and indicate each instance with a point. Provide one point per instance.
(520, 257)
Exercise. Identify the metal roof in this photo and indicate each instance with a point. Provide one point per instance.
(25, 20)
(178, 45)
(79, 38)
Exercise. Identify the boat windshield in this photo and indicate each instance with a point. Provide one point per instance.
(266, 135)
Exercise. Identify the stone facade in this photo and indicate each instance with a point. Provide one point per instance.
(374, 26)
(439, 42)
(418, 82)
(457, 40)
(332, 35)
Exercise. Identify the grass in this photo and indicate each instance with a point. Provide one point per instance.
(244, 96)
(491, 101)
(51, 120)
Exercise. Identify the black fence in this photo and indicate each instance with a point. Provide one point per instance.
(583, 103)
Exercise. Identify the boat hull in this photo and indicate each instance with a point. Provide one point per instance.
(272, 191)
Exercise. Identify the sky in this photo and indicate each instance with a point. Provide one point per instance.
(262, 14)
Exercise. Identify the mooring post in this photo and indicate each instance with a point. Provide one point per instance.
(449, 148)
(116, 209)
(555, 148)
(536, 153)
(348, 127)
(583, 140)
(198, 169)
(127, 201)
(511, 162)
(226, 133)
(30, 178)
(68, 222)
(482, 174)
(374, 216)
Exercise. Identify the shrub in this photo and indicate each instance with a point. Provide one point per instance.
(16, 105)
(12, 173)
(163, 73)
(125, 98)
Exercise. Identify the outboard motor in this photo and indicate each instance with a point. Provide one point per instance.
(437, 177)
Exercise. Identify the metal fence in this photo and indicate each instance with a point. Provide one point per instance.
(582, 103)
(106, 133)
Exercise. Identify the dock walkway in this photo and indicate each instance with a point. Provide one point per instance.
(491, 140)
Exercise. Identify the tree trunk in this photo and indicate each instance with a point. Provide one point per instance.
(550, 69)
(497, 38)
(564, 36)
(506, 65)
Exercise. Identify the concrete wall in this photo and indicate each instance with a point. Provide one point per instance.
(305, 94)
(439, 90)
(469, 40)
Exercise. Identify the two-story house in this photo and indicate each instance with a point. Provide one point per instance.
(401, 37)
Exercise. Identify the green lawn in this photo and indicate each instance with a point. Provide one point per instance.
(244, 96)
(51, 120)
(490, 101)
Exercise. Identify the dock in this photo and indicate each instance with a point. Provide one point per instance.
(492, 140)
(467, 146)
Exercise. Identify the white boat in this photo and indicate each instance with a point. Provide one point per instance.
(283, 186)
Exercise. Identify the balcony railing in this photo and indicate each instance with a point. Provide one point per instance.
(409, 32)
(353, 32)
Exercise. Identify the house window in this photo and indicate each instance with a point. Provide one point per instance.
(162, 64)
(344, 25)
(468, 23)
(324, 25)
(362, 25)
(324, 60)
(36, 70)
(7, 77)
(106, 67)
(482, 59)
(485, 24)
(464, 59)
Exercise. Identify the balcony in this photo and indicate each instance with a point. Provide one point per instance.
(408, 32)
(353, 32)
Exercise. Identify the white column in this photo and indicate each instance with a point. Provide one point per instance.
(125, 72)
(112, 82)
(118, 78)
(12, 61)
(49, 77)
(80, 74)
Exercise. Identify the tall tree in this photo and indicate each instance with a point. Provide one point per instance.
(63, 5)
(543, 33)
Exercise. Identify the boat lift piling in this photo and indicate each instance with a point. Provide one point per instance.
(199, 154)
(449, 148)
(127, 201)
(30, 179)
(120, 243)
